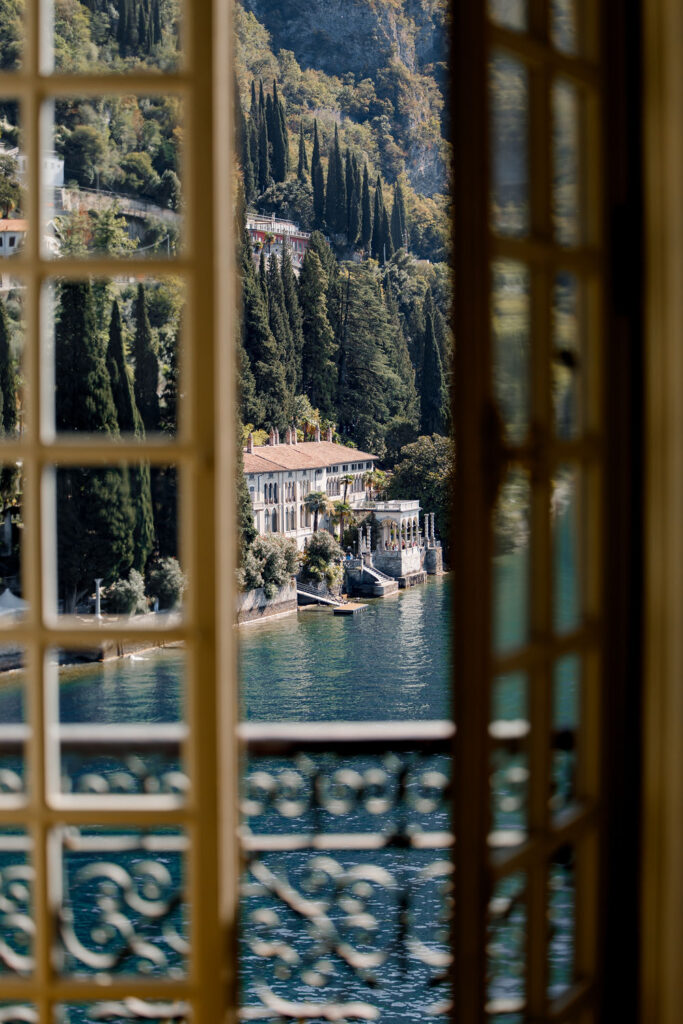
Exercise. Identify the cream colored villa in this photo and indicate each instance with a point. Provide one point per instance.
(281, 473)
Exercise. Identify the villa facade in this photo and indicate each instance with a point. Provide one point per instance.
(269, 233)
(281, 474)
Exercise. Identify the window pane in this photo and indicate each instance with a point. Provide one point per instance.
(567, 209)
(509, 731)
(568, 355)
(122, 1011)
(509, 13)
(511, 563)
(568, 548)
(14, 731)
(112, 172)
(120, 901)
(564, 25)
(562, 922)
(16, 923)
(119, 724)
(509, 146)
(12, 604)
(510, 305)
(566, 712)
(114, 38)
(112, 355)
(506, 947)
(116, 535)
(14, 226)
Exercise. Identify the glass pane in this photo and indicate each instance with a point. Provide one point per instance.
(509, 146)
(562, 922)
(511, 563)
(18, 1013)
(112, 176)
(12, 604)
(568, 362)
(116, 544)
(509, 731)
(506, 948)
(566, 711)
(564, 25)
(16, 914)
(123, 1011)
(567, 211)
(119, 714)
(114, 38)
(568, 556)
(14, 731)
(510, 304)
(112, 349)
(119, 895)
(509, 13)
(13, 170)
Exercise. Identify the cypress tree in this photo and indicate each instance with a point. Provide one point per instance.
(354, 217)
(331, 193)
(399, 220)
(263, 275)
(279, 323)
(276, 139)
(9, 475)
(366, 213)
(124, 26)
(8, 379)
(302, 168)
(335, 199)
(254, 150)
(433, 398)
(318, 348)
(293, 307)
(260, 345)
(348, 180)
(142, 28)
(94, 513)
(144, 352)
(377, 221)
(130, 422)
(156, 22)
(280, 110)
(387, 244)
(318, 182)
(261, 100)
(263, 155)
(253, 109)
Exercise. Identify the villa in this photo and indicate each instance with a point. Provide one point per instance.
(281, 474)
(270, 233)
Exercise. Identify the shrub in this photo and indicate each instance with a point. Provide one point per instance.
(270, 563)
(166, 582)
(127, 597)
(322, 559)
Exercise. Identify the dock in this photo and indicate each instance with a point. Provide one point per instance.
(350, 608)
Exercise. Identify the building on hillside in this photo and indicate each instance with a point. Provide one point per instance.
(267, 232)
(12, 235)
(280, 475)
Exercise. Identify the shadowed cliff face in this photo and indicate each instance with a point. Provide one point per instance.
(401, 45)
(360, 36)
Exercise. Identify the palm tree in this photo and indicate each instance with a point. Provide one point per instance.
(316, 502)
(341, 513)
(375, 480)
(346, 480)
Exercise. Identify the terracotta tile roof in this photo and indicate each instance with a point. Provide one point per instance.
(13, 225)
(306, 455)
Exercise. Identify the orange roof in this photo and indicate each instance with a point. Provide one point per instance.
(270, 458)
(13, 225)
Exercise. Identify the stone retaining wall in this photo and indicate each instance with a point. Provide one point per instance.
(254, 606)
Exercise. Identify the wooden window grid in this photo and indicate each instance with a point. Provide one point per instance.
(202, 453)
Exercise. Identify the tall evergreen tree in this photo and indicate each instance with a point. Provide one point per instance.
(253, 109)
(263, 155)
(9, 474)
(277, 141)
(293, 307)
(433, 400)
(260, 345)
(387, 250)
(94, 515)
(280, 109)
(130, 422)
(146, 359)
(354, 217)
(302, 168)
(366, 213)
(377, 237)
(279, 325)
(318, 351)
(318, 182)
(398, 218)
(348, 178)
(335, 197)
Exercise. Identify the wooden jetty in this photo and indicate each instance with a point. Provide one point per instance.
(350, 608)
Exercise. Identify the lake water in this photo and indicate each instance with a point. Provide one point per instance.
(390, 662)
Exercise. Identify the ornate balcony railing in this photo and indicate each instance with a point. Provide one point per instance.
(347, 887)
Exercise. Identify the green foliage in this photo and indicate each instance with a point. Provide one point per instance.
(318, 376)
(270, 563)
(434, 398)
(146, 360)
(167, 583)
(11, 34)
(127, 596)
(317, 503)
(322, 559)
(425, 471)
(10, 186)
